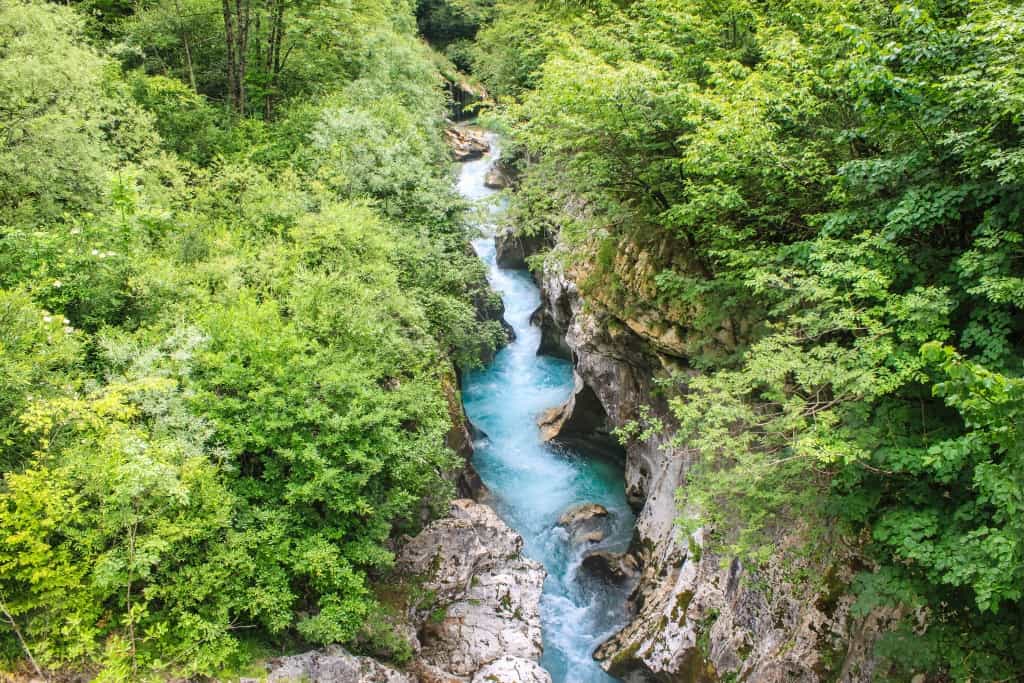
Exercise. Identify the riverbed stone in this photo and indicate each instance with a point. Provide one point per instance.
(487, 595)
(496, 179)
(332, 665)
(467, 143)
(585, 523)
(512, 670)
(610, 566)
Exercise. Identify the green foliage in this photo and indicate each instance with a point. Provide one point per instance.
(66, 122)
(823, 200)
(447, 22)
(224, 341)
(107, 534)
(38, 355)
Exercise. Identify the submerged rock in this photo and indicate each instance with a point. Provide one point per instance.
(332, 665)
(486, 602)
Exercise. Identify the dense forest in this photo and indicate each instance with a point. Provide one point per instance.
(234, 284)
(235, 291)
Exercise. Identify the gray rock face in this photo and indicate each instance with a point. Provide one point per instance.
(512, 670)
(332, 665)
(556, 312)
(480, 625)
(585, 523)
(693, 619)
(611, 567)
(487, 595)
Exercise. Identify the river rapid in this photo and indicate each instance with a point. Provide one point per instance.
(533, 483)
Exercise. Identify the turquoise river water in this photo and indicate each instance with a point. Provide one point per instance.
(533, 483)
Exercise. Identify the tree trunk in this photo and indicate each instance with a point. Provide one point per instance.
(188, 48)
(273, 61)
(236, 36)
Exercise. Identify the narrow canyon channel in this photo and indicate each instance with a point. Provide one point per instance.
(532, 483)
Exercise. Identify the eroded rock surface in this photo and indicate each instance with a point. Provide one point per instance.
(332, 665)
(466, 143)
(512, 670)
(497, 178)
(512, 249)
(610, 566)
(486, 594)
(585, 523)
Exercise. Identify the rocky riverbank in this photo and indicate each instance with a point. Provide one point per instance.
(697, 616)
(471, 604)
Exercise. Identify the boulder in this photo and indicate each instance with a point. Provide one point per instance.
(610, 567)
(512, 670)
(496, 178)
(486, 595)
(466, 143)
(332, 665)
(585, 523)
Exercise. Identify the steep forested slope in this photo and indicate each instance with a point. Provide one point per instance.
(233, 280)
(817, 207)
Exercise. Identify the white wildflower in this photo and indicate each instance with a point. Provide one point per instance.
(47, 318)
(58, 284)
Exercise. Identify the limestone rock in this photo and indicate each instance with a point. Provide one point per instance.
(585, 523)
(512, 670)
(466, 143)
(497, 178)
(555, 314)
(693, 619)
(580, 421)
(512, 249)
(487, 595)
(431, 674)
(610, 567)
(332, 665)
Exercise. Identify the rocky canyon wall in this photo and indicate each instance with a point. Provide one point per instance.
(697, 616)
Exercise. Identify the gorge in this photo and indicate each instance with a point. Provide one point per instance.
(532, 484)
(726, 385)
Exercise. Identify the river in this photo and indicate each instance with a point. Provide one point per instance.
(533, 483)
